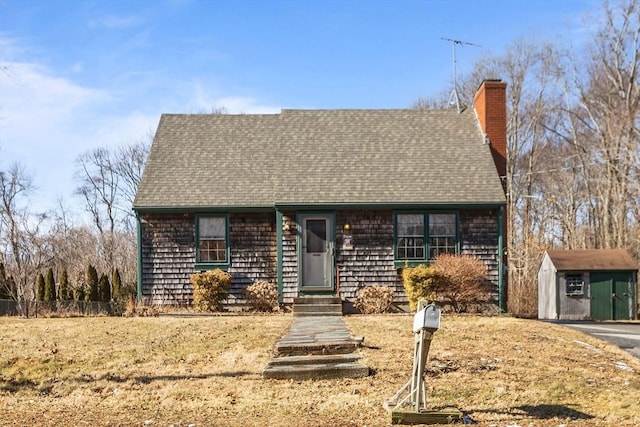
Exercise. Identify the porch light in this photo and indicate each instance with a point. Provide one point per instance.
(286, 226)
(347, 227)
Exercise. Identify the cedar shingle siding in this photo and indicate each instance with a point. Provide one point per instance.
(168, 245)
(169, 248)
(168, 256)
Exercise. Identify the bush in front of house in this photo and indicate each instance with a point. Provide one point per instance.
(463, 282)
(262, 296)
(420, 282)
(373, 299)
(210, 288)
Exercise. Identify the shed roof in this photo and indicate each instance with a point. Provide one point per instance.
(592, 260)
(315, 157)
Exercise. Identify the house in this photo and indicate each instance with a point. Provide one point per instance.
(321, 201)
(597, 284)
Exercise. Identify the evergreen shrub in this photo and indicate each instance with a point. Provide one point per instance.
(40, 288)
(93, 293)
(49, 286)
(104, 289)
(63, 289)
(420, 282)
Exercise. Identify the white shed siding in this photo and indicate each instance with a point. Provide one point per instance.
(573, 307)
(547, 290)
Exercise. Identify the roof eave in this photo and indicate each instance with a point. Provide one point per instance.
(321, 206)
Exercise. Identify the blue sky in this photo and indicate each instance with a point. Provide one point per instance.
(76, 75)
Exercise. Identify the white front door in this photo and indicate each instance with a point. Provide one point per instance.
(316, 253)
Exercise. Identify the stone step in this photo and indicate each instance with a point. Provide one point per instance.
(298, 348)
(314, 359)
(317, 371)
(317, 300)
(316, 313)
(317, 308)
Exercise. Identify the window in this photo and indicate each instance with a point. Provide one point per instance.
(316, 235)
(575, 284)
(410, 230)
(212, 240)
(415, 242)
(442, 234)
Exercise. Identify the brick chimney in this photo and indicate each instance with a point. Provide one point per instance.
(490, 103)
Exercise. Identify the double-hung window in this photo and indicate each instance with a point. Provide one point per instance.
(442, 234)
(422, 236)
(212, 240)
(410, 232)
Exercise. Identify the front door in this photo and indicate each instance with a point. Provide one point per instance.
(316, 253)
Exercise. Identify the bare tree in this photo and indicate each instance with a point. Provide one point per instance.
(22, 250)
(108, 181)
(603, 126)
(99, 188)
(129, 161)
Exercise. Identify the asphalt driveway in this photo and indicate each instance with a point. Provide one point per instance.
(625, 335)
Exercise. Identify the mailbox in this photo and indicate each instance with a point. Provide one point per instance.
(427, 319)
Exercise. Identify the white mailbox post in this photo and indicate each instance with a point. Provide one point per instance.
(409, 404)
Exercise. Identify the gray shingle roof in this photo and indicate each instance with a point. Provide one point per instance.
(319, 157)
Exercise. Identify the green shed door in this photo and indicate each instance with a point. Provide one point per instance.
(623, 298)
(610, 296)
(601, 296)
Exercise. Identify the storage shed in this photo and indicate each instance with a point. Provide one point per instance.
(596, 284)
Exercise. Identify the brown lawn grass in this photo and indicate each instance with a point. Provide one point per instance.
(205, 371)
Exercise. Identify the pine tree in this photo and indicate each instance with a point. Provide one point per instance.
(4, 283)
(40, 288)
(104, 289)
(116, 284)
(49, 286)
(79, 293)
(63, 288)
(92, 282)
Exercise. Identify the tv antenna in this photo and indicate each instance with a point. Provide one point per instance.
(454, 98)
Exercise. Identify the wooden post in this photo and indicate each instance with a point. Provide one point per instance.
(425, 323)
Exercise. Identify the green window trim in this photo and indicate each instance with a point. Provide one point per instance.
(430, 240)
(223, 254)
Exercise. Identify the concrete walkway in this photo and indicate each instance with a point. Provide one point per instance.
(317, 347)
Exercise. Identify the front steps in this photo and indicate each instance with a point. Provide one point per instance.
(318, 344)
(316, 367)
(317, 306)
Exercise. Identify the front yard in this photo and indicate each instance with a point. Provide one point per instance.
(205, 371)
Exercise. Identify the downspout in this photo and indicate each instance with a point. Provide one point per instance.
(501, 259)
(279, 271)
(139, 255)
